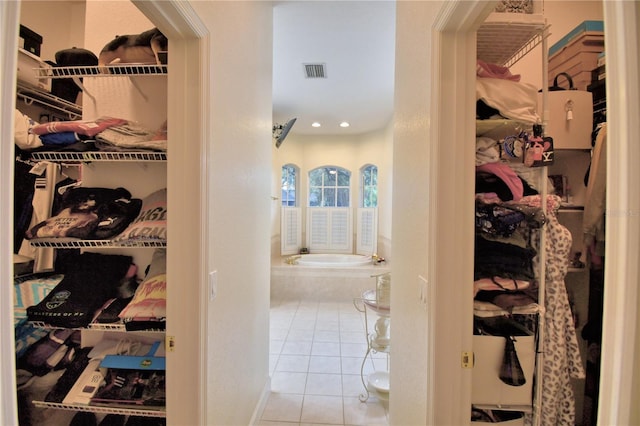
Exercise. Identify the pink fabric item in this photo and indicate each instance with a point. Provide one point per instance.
(486, 70)
(507, 175)
(87, 128)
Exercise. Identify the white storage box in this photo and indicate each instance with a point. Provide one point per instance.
(487, 388)
(27, 75)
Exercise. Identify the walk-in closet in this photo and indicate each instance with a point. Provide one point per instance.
(111, 239)
(542, 134)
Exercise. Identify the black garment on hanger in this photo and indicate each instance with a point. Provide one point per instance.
(24, 188)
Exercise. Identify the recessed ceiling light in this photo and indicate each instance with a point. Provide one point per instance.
(315, 124)
(344, 124)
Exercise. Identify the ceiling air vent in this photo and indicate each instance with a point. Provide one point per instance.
(315, 71)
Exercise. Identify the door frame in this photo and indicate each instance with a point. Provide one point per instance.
(9, 17)
(619, 390)
(450, 263)
(188, 229)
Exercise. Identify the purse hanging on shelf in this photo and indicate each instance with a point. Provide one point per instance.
(538, 150)
(511, 372)
(569, 114)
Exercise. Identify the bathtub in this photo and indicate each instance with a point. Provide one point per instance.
(333, 260)
(323, 277)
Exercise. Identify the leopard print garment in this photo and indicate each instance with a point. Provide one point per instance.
(561, 358)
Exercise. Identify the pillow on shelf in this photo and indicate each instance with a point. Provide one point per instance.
(149, 302)
(151, 222)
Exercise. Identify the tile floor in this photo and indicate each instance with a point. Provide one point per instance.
(317, 350)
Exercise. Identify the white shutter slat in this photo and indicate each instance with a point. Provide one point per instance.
(318, 229)
(329, 230)
(290, 230)
(367, 230)
(340, 229)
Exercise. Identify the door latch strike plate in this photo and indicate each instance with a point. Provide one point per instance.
(170, 343)
(467, 359)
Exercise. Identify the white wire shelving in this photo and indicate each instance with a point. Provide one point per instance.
(102, 71)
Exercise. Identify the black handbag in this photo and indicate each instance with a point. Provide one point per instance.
(66, 88)
(556, 87)
(511, 372)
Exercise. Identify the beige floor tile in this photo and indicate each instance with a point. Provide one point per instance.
(325, 364)
(322, 409)
(283, 407)
(288, 382)
(324, 384)
(369, 413)
(294, 363)
(325, 349)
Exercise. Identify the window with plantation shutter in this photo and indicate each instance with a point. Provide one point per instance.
(290, 230)
(329, 226)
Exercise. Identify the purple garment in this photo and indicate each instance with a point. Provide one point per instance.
(507, 175)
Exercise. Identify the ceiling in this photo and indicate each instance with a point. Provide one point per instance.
(355, 40)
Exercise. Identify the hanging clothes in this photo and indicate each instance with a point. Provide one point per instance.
(561, 357)
(44, 193)
(24, 188)
(595, 197)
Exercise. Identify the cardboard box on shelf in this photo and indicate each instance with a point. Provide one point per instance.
(577, 53)
(30, 40)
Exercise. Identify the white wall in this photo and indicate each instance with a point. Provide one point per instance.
(41, 16)
(409, 361)
(106, 19)
(349, 152)
(239, 177)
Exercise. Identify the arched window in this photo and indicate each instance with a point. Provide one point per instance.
(289, 185)
(329, 187)
(369, 186)
(329, 227)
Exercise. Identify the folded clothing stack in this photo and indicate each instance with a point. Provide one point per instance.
(89, 213)
(89, 281)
